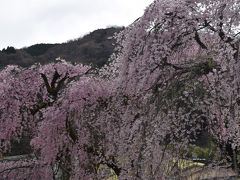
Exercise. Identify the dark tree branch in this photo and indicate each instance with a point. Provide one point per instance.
(111, 164)
(15, 168)
(46, 82)
(54, 88)
(72, 132)
(39, 106)
(59, 86)
(56, 76)
(198, 40)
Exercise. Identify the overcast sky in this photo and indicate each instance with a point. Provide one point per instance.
(27, 22)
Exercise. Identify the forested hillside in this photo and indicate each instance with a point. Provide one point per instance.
(94, 48)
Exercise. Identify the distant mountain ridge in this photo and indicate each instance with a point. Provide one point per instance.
(94, 48)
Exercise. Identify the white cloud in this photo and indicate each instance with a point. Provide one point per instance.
(27, 22)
